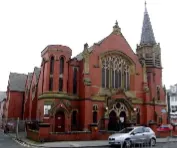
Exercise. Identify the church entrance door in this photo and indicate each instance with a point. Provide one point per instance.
(112, 125)
(122, 117)
(60, 121)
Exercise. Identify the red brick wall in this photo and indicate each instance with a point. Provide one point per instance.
(33, 101)
(62, 51)
(33, 135)
(113, 42)
(26, 107)
(40, 110)
(74, 136)
(15, 103)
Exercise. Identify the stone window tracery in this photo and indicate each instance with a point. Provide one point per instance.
(115, 72)
(118, 108)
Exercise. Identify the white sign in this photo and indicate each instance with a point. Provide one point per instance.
(163, 111)
(122, 119)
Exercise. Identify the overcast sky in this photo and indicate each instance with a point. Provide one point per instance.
(27, 27)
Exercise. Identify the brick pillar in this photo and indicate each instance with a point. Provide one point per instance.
(86, 105)
(44, 132)
(94, 130)
(106, 121)
(86, 114)
(46, 76)
(67, 123)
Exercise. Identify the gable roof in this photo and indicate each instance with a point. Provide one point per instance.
(79, 57)
(17, 82)
(37, 72)
(29, 79)
(2, 95)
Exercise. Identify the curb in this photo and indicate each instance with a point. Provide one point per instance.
(38, 146)
(26, 144)
(21, 142)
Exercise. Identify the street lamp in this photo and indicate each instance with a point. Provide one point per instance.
(168, 105)
(134, 109)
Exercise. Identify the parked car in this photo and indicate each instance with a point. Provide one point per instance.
(133, 135)
(165, 128)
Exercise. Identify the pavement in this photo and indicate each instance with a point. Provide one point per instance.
(24, 142)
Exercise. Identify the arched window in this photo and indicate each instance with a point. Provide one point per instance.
(51, 73)
(61, 65)
(94, 117)
(60, 84)
(138, 118)
(50, 83)
(61, 74)
(115, 72)
(75, 81)
(119, 79)
(125, 78)
(158, 92)
(74, 118)
(51, 65)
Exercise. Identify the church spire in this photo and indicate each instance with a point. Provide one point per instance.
(147, 35)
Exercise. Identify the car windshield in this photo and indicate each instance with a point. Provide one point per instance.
(126, 130)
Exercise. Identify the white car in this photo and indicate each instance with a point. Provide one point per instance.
(133, 135)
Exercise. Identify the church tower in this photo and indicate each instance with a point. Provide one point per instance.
(149, 53)
(148, 49)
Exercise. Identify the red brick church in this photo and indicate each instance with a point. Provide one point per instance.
(106, 84)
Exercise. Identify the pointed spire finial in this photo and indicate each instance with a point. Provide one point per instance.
(145, 5)
(147, 35)
(116, 28)
(116, 24)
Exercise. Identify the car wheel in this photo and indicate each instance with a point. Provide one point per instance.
(153, 142)
(127, 143)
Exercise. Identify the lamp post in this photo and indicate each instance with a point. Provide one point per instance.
(168, 105)
(154, 110)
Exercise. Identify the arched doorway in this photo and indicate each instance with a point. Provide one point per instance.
(60, 121)
(138, 118)
(122, 118)
(112, 125)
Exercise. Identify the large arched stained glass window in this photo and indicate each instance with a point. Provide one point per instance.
(115, 72)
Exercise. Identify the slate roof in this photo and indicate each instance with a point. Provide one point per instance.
(147, 35)
(29, 79)
(2, 95)
(37, 72)
(17, 82)
(79, 57)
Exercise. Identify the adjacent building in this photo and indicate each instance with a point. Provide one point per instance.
(31, 95)
(15, 96)
(2, 106)
(173, 104)
(106, 84)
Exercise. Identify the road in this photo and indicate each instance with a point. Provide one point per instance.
(7, 142)
(158, 145)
